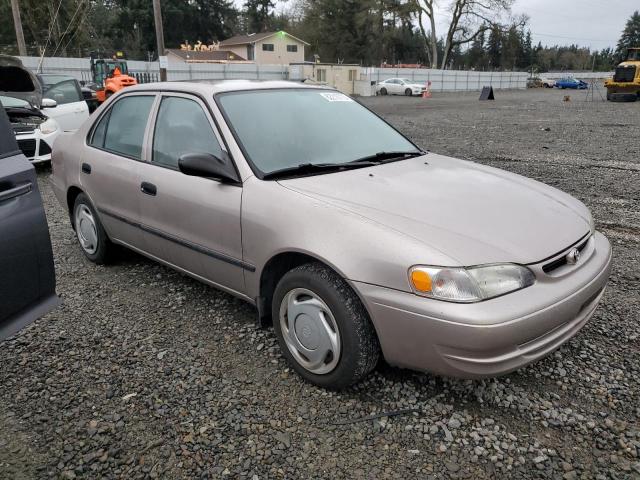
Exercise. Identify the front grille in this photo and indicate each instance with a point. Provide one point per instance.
(562, 261)
(22, 129)
(28, 147)
(625, 74)
(45, 149)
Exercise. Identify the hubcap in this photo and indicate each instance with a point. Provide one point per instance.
(86, 229)
(310, 331)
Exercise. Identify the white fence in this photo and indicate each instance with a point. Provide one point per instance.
(80, 68)
(578, 75)
(453, 80)
(441, 80)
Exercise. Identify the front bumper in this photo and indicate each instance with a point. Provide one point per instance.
(36, 145)
(496, 336)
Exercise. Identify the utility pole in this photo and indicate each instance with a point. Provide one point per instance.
(15, 8)
(157, 16)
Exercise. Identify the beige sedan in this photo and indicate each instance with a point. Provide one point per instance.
(343, 233)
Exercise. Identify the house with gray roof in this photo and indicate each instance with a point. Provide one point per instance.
(267, 48)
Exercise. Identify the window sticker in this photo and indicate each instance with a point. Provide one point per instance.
(336, 97)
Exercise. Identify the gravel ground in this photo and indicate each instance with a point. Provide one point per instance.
(144, 373)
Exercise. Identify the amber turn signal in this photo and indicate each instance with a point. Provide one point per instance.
(421, 280)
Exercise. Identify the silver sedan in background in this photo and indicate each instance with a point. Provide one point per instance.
(400, 86)
(346, 235)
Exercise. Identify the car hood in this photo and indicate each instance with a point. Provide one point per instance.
(471, 213)
(19, 82)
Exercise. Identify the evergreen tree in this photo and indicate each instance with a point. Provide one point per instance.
(259, 15)
(630, 35)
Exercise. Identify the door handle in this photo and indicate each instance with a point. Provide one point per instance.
(15, 192)
(148, 188)
(86, 168)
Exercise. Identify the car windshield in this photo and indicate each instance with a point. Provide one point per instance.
(11, 102)
(280, 129)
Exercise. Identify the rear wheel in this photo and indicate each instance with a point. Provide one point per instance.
(383, 91)
(322, 327)
(89, 230)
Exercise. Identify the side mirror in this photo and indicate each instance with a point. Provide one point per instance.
(49, 103)
(208, 166)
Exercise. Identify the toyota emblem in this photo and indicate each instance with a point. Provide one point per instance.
(573, 256)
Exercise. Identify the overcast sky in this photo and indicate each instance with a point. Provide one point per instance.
(594, 23)
(591, 23)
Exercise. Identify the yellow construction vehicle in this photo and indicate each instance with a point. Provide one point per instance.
(625, 85)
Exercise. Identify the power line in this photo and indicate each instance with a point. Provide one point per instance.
(67, 29)
(569, 38)
(53, 21)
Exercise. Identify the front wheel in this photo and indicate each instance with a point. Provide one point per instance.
(323, 328)
(408, 92)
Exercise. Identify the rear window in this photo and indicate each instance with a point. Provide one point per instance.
(121, 129)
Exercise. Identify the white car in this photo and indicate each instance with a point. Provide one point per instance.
(71, 109)
(34, 131)
(547, 82)
(400, 86)
(39, 108)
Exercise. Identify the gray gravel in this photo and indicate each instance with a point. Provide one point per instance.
(143, 373)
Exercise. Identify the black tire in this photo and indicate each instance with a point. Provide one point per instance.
(408, 92)
(609, 97)
(383, 91)
(360, 348)
(104, 251)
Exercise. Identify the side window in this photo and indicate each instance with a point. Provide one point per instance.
(267, 47)
(97, 139)
(127, 123)
(292, 48)
(182, 127)
(64, 92)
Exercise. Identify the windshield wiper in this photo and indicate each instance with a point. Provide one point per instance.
(385, 157)
(308, 168)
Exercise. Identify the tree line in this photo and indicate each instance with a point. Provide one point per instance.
(479, 35)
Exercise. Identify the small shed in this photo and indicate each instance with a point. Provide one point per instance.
(345, 77)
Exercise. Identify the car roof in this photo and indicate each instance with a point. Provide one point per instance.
(208, 87)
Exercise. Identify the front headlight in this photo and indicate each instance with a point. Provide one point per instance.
(48, 126)
(467, 285)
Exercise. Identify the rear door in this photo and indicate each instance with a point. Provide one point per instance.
(110, 170)
(191, 222)
(71, 110)
(27, 276)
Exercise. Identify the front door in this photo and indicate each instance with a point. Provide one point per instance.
(71, 110)
(110, 170)
(190, 222)
(27, 276)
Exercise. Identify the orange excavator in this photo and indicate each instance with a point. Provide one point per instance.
(110, 75)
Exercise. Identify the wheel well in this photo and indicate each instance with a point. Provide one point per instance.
(72, 194)
(272, 272)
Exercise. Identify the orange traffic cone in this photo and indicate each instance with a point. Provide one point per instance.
(427, 91)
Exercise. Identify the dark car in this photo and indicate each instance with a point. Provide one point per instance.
(27, 275)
